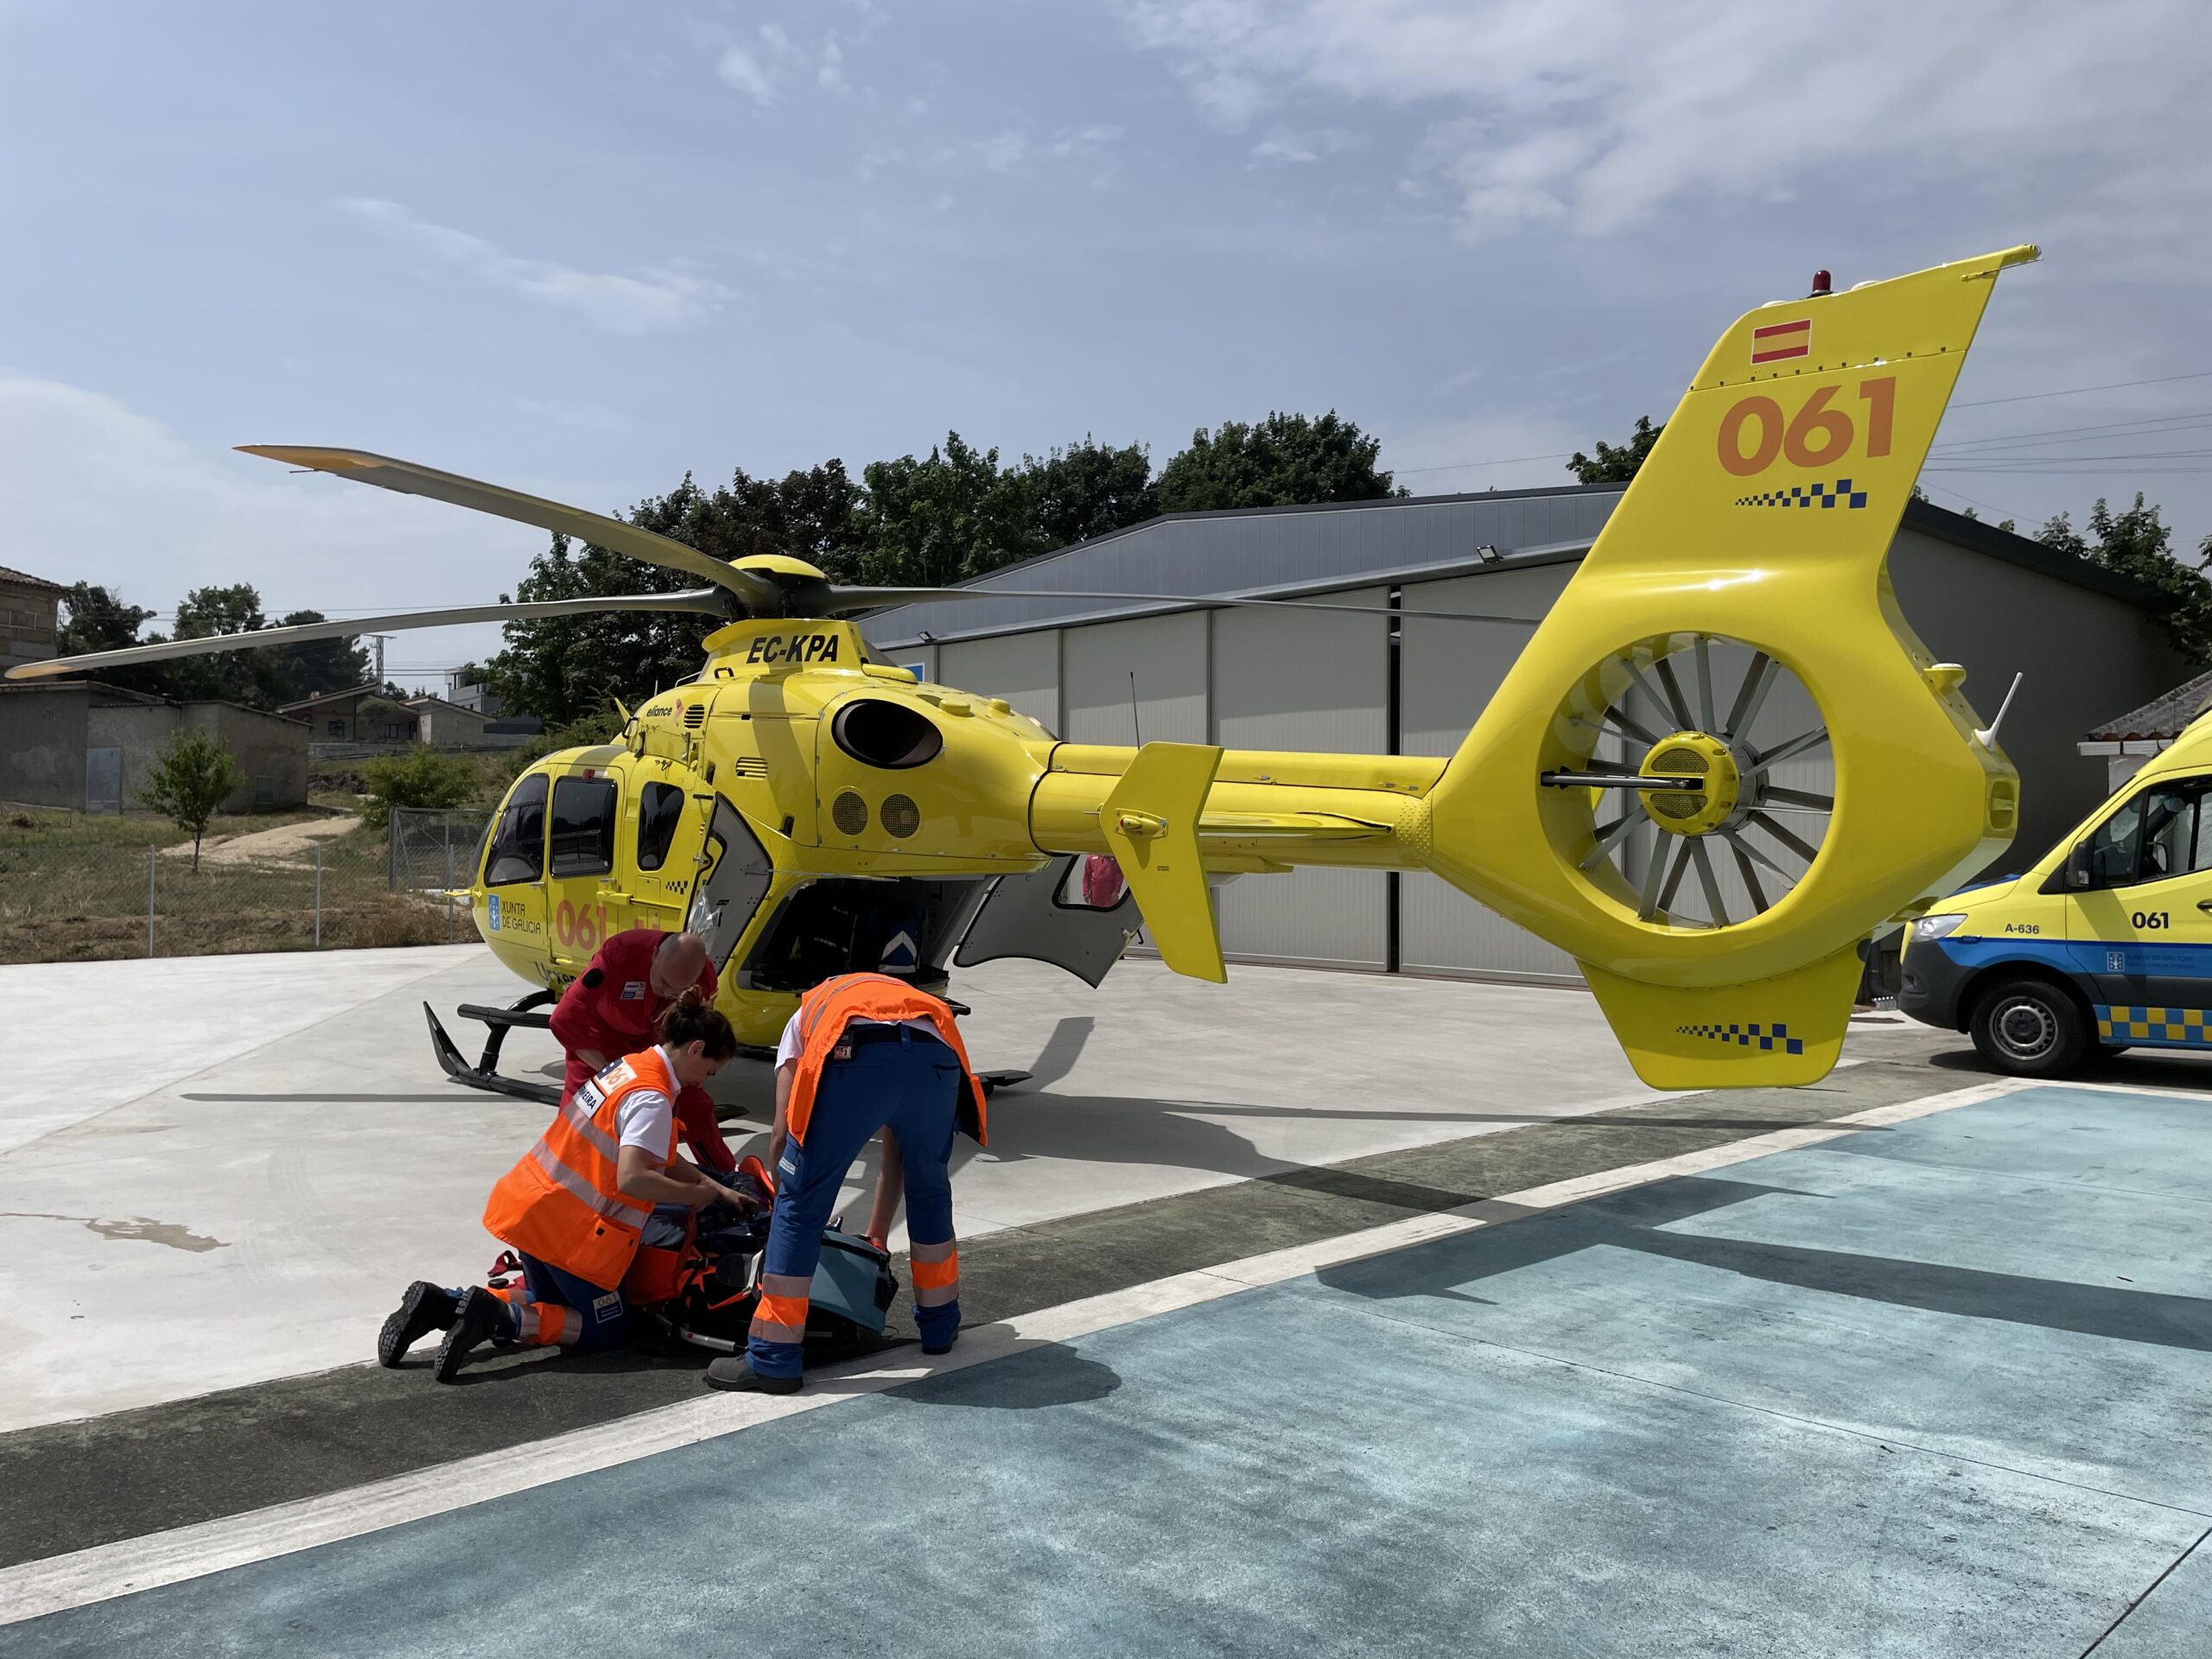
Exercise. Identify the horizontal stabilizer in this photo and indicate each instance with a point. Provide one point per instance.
(1150, 822)
(1770, 1033)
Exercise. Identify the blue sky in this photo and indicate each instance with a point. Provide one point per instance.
(581, 249)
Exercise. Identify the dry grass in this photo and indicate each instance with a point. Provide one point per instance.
(77, 891)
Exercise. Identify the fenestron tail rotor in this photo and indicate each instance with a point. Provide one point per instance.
(1748, 789)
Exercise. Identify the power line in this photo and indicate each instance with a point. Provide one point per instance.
(2077, 391)
(1466, 466)
(2146, 428)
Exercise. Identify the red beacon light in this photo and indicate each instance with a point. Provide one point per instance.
(1821, 287)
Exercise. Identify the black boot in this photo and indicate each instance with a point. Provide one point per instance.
(425, 1307)
(733, 1374)
(482, 1317)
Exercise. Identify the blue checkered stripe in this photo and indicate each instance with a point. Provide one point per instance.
(2162, 1027)
(1769, 1038)
(1838, 494)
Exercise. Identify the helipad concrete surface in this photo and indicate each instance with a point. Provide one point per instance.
(1924, 1380)
(218, 1170)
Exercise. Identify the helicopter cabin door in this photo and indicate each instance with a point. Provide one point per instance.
(590, 873)
(1075, 913)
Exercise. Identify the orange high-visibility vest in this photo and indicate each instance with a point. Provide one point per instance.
(562, 1202)
(823, 1012)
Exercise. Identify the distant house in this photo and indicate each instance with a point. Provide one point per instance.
(445, 725)
(29, 618)
(335, 717)
(87, 746)
(465, 689)
(2129, 739)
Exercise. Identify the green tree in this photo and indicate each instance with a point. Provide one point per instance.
(1087, 489)
(320, 665)
(92, 618)
(1283, 460)
(422, 776)
(95, 618)
(189, 779)
(1612, 465)
(564, 668)
(2137, 542)
(930, 522)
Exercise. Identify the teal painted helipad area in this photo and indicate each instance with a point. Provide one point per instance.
(1934, 1388)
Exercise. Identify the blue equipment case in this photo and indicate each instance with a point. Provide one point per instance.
(853, 1280)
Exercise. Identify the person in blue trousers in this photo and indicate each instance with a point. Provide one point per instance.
(865, 1052)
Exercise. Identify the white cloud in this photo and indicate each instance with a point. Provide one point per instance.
(1596, 113)
(1002, 152)
(1083, 140)
(778, 42)
(671, 297)
(1281, 145)
(830, 76)
(97, 492)
(739, 69)
(571, 413)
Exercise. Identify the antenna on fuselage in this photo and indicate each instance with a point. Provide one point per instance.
(1136, 728)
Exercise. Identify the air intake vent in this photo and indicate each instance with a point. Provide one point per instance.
(902, 818)
(749, 766)
(849, 813)
(695, 716)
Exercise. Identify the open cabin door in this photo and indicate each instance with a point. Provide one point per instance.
(1075, 913)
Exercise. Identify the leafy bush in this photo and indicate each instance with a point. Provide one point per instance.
(581, 732)
(420, 777)
(193, 777)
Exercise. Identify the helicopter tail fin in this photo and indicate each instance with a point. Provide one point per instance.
(1734, 628)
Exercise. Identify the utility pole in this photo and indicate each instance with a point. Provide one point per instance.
(378, 640)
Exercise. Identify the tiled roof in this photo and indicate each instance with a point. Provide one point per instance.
(29, 581)
(2161, 717)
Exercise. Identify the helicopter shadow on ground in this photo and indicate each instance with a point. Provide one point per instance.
(1643, 1220)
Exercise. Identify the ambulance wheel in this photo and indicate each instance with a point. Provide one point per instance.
(2031, 1028)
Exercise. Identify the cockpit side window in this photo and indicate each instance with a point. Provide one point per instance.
(517, 846)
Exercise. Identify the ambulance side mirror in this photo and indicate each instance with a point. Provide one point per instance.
(2077, 867)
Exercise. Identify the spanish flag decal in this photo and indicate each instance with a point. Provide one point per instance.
(1780, 340)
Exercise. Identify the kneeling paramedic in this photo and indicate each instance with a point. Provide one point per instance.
(574, 1208)
(864, 1052)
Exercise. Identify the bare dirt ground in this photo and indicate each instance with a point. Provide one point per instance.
(287, 843)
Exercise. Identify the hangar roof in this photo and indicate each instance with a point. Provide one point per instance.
(1282, 552)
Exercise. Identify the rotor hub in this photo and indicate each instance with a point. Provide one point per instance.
(1706, 759)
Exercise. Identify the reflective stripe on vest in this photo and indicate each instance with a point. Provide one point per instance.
(612, 1205)
(563, 1202)
(824, 1014)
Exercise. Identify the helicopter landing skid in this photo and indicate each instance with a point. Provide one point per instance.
(485, 1074)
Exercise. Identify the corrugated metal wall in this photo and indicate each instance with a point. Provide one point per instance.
(1023, 668)
(1158, 663)
(1448, 671)
(1310, 680)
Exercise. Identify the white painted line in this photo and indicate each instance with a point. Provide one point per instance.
(36, 1588)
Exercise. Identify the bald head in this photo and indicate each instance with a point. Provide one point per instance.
(678, 964)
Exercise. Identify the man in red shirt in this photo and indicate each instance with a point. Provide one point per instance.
(608, 1011)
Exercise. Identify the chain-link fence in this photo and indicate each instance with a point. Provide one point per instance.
(76, 891)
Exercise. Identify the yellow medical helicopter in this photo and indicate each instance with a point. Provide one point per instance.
(809, 809)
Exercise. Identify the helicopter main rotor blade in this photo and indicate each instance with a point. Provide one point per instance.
(859, 599)
(758, 594)
(715, 601)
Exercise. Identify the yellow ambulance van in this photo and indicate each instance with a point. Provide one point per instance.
(2105, 944)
